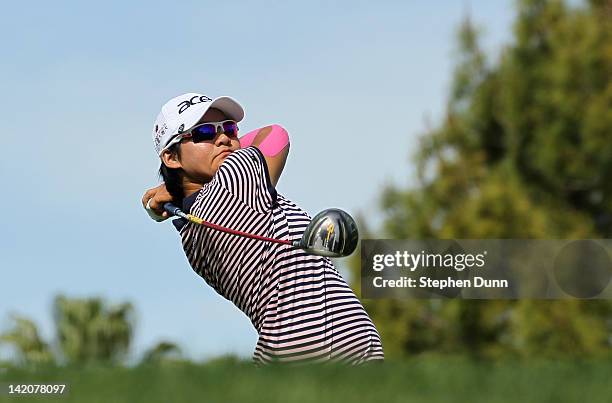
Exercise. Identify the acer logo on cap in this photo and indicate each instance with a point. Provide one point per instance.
(183, 106)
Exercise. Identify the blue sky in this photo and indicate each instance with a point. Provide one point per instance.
(353, 82)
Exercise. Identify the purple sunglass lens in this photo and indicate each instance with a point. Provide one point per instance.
(204, 133)
(230, 128)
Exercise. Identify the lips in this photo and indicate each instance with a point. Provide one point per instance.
(224, 153)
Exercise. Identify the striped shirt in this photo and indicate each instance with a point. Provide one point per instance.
(302, 308)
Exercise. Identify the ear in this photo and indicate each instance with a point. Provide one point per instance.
(170, 159)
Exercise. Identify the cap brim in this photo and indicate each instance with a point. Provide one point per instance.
(229, 106)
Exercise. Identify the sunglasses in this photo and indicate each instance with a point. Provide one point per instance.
(207, 131)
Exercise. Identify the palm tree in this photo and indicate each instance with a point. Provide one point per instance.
(163, 351)
(25, 338)
(89, 331)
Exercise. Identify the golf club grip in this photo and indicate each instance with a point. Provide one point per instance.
(172, 209)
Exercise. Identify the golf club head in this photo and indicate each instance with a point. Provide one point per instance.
(331, 233)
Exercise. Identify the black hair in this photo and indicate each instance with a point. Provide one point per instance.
(173, 178)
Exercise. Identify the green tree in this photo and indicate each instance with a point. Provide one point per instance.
(524, 151)
(90, 331)
(25, 338)
(162, 351)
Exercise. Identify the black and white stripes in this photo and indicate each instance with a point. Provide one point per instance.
(302, 308)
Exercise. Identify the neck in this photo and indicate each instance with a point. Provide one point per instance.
(190, 187)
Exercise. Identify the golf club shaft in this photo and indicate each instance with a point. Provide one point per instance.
(173, 210)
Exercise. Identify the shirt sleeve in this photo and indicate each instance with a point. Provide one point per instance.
(244, 173)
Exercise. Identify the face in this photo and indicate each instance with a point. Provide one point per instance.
(200, 161)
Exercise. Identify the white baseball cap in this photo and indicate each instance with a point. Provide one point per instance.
(182, 113)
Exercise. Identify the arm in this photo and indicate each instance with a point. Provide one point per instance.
(273, 141)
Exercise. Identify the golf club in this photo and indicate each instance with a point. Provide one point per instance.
(331, 233)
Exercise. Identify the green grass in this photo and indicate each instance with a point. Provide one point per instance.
(418, 380)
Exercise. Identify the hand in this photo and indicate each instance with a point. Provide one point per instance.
(157, 197)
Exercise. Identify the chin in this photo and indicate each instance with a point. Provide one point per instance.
(218, 164)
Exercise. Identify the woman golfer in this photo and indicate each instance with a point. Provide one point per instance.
(302, 308)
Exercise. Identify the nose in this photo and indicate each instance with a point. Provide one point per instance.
(222, 138)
